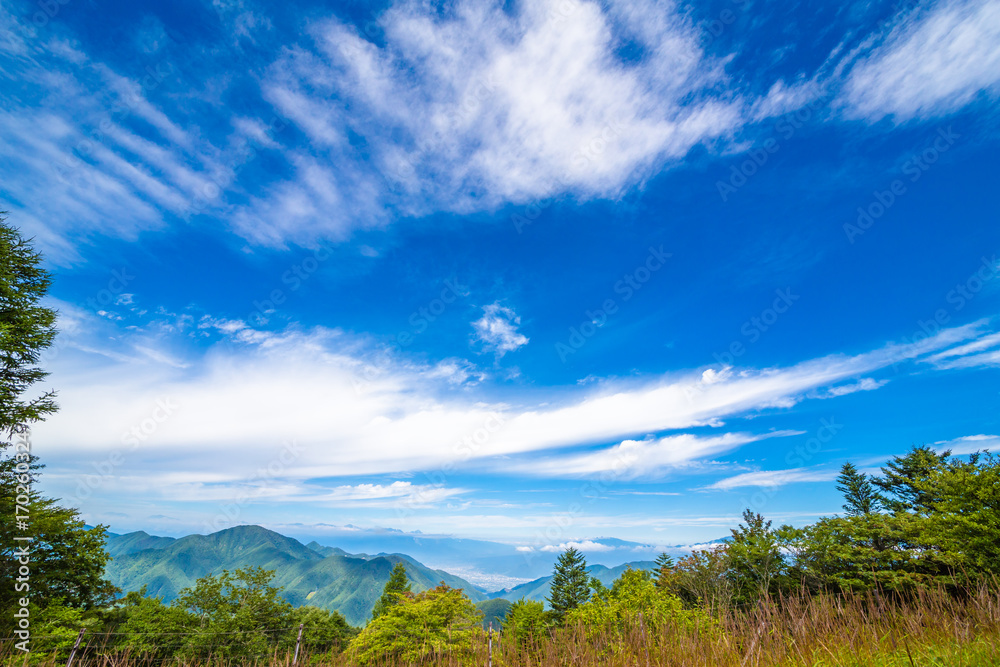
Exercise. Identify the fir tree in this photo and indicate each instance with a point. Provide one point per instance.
(570, 584)
(397, 586)
(26, 328)
(905, 480)
(860, 497)
(664, 572)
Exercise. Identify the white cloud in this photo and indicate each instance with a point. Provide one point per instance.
(969, 355)
(352, 409)
(484, 106)
(636, 458)
(585, 546)
(84, 152)
(970, 444)
(864, 384)
(497, 329)
(934, 61)
(773, 478)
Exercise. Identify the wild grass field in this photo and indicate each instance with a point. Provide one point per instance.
(934, 628)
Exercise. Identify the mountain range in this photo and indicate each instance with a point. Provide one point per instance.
(321, 576)
(333, 578)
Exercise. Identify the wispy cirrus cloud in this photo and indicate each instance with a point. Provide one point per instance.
(933, 61)
(970, 444)
(773, 478)
(632, 459)
(256, 389)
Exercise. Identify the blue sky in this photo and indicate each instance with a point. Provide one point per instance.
(534, 272)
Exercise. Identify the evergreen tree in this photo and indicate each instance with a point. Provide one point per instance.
(905, 478)
(67, 559)
(397, 586)
(570, 584)
(664, 572)
(26, 328)
(754, 556)
(860, 497)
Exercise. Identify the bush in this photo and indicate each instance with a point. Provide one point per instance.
(435, 623)
(635, 607)
(527, 622)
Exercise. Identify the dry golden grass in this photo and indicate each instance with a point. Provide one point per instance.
(932, 629)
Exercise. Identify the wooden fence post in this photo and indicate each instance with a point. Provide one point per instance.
(298, 642)
(490, 635)
(72, 653)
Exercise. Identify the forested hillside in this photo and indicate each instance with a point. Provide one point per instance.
(324, 577)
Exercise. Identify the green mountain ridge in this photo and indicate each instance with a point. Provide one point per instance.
(539, 589)
(325, 577)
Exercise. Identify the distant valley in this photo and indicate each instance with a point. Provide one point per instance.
(333, 578)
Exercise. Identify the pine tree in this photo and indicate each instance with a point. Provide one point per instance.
(26, 328)
(664, 572)
(755, 561)
(570, 584)
(905, 479)
(397, 586)
(860, 497)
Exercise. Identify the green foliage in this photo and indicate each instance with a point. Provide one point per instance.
(755, 563)
(860, 497)
(905, 480)
(666, 578)
(66, 559)
(438, 622)
(26, 328)
(55, 627)
(570, 584)
(151, 630)
(965, 517)
(494, 611)
(702, 578)
(323, 631)
(634, 605)
(395, 588)
(238, 614)
(858, 553)
(351, 585)
(527, 622)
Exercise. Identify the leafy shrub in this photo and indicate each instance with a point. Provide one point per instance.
(635, 607)
(527, 622)
(438, 622)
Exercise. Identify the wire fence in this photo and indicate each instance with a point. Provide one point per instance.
(102, 641)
